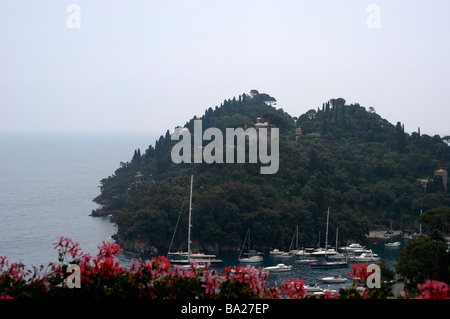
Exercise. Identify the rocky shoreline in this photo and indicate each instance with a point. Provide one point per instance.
(100, 212)
(140, 248)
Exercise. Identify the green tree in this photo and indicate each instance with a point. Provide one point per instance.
(423, 259)
(438, 222)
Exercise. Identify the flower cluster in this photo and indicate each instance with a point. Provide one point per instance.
(431, 289)
(359, 272)
(101, 277)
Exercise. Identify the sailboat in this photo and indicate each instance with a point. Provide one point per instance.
(392, 244)
(325, 264)
(336, 255)
(296, 251)
(282, 253)
(197, 257)
(252, 256)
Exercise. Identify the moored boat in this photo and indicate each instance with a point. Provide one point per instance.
(334, 279)
(312, 288)
(323, 252)
(197, 257)
(326, 264)
(279, 268)
(329, 264)
(352, 247)
(253, 257)
(306, 260)
(392, 244)
(365, 257)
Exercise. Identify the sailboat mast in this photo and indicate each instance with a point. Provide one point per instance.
(189, 223)
(243, 244)
(337, 231)
(326, 233)
(420, 225)
(249, 240)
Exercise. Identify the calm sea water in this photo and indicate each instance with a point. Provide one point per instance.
(48, 182)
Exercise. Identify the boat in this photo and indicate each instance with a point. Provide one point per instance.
(352, 247)
(192, 266)
(362, 250)
(323, 252)
(285, 254)
(279, 268)
(279, 253)
(252, 256)
(334, 279)
(275, 252)
(313, 288)
(300, 252)
(329, 264)
(364, 257)
(326, 251)
(296, 251)
(251, 259)
(306, 260)
(193, 258)
(392, 244)
(337, 257)
(193, 254)
(326, 264)
(282, 254)
(326, 290)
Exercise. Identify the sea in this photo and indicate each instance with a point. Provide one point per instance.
(47, 185)
(48, 181)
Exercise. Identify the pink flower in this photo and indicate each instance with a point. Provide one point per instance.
(354, 267)
(293, 288)
(433, 289)
(212, 282)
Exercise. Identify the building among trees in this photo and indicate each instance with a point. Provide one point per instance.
(444, 175)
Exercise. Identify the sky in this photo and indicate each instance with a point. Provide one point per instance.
(149, 66)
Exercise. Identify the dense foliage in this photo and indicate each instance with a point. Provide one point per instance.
(102, 277)
(427, 257)
(347, 158)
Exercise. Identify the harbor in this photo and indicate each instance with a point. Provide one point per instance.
(303, 270)
(321, 269)
(299, 266)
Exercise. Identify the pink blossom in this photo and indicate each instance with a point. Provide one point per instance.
(433, 289)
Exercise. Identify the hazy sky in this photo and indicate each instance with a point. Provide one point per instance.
(152, 65)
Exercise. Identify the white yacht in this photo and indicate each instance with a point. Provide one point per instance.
(323, 252)
(392, 244)
(251, 259)
(352, 247)
(314, 288)
(306, 260)
(369, 256)
(334, 279)
(275, 252)
(279, 268)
